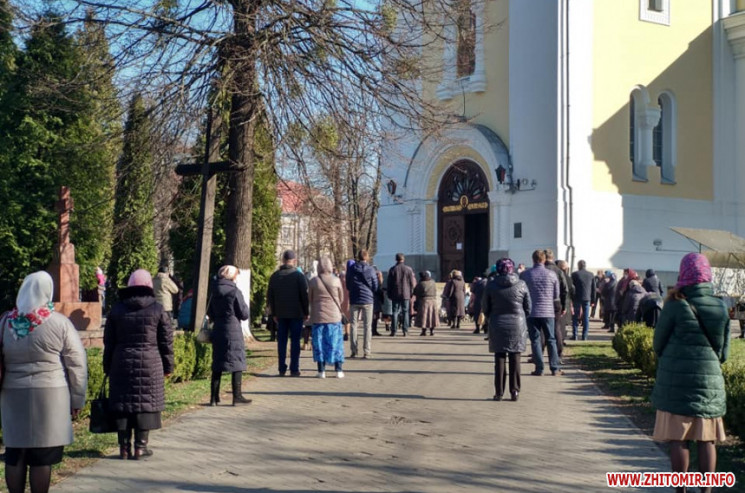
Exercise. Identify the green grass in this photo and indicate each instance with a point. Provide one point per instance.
(630, 390)
(180, 398)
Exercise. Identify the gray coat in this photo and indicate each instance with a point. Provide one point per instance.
(456, 295)
(227, 309)
(506, 305)
(45, 372)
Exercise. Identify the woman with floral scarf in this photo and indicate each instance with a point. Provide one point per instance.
(44, 385)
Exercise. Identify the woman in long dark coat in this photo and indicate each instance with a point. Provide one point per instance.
(426, 303)
(227, 309)
(137, 355)
(506, 306)
(456, 299)
(608, 295)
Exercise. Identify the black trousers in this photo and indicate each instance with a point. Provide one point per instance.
(500, 375)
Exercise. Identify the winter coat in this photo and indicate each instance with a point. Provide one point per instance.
(563, 288)
(45, 375)
(325, 309)
(138, 351)
(477, 294)
(689, 377)
(634, 294)
(649, 309)
(652, 283)
(227, 309)
(456, 298)
(287, 294)
(401, 282)
(362, 283)
(506, 305)
(544, 291)
(426, 304)
(585, 287)
(164, 289)
(608, 295)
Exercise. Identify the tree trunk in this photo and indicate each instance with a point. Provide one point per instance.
(239, 57)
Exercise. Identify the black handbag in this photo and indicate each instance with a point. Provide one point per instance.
(101, 419)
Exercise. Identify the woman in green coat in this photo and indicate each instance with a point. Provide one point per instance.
(691, 341)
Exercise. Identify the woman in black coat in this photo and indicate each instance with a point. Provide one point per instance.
(506, 306)
(608, 296)
(227, 309)
(137, 355)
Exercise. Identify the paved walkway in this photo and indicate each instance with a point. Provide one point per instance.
(416, 418)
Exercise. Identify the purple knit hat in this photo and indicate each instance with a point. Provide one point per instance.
(694, 269)
(140, 277)
(505, 266)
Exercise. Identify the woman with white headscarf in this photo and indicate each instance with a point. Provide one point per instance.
(44, 384)
(227, 309)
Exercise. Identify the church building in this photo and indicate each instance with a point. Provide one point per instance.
(590, 127)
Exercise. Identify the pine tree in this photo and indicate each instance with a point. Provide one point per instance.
(134, 244)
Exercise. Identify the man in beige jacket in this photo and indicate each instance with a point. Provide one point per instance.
(164, 289)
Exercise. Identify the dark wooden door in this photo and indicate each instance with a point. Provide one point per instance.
(452, 238)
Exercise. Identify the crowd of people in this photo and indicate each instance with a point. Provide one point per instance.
(44, 363)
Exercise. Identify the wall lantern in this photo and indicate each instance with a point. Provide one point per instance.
(391, 186)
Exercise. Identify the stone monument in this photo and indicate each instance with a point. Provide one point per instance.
(85, 316)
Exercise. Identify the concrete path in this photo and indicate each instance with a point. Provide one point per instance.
(418, 417)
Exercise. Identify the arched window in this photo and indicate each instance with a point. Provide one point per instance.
(466, 49)
(657, 134)
(666, 139)
(643, 117)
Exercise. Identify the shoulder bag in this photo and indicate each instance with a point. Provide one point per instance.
(204, 335)
(101, 419)
(344, 319)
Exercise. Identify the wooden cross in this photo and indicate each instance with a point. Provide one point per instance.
(207, 169)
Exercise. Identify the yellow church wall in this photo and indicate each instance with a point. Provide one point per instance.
(489, 108)
(675, 58)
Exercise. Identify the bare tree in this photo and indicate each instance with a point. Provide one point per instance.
(302, 60)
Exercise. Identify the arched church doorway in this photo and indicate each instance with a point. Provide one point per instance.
(463, 211)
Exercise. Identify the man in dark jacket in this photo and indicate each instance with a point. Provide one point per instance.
(401, 283)
(362, 283)
(652, 283)
(287, 297)
(585, 295)
(543, 286)
(478, 286)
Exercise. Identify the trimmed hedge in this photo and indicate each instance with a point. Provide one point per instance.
(633, 343)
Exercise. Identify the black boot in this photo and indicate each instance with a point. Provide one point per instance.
(237, 391)
(424, 332)
(215, 388)
(125, 444)
(431, 332)
(141, 439)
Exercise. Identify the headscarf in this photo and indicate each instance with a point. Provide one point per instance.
(505, 266)
(325, 266)
(632, 274)
(140, 277)
(694, 269)
(228, 272)
(608, 273)
(33, 304)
